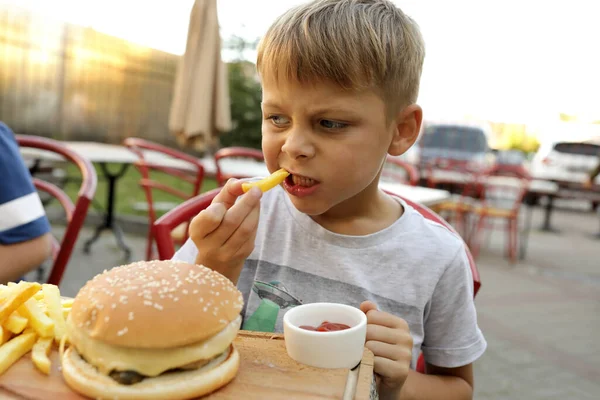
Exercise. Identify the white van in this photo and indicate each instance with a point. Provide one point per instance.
(566, 162)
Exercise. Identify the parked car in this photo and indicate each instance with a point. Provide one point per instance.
(567, 163)
(511, 163)
(456, 142)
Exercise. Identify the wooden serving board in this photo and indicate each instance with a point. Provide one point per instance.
(266, 372)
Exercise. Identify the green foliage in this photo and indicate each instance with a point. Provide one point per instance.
(245, 96)
(246, 115)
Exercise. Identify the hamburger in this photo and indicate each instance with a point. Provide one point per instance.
(153, 330)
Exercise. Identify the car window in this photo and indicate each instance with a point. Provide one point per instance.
(581, 149)
(454, 137)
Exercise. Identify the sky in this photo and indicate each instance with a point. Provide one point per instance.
(521, 61)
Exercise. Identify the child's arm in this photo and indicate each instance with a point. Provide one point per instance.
(224, 232)
(19, 258)
(388, 337)
(439, 383)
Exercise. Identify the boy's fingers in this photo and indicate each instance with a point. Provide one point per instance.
(236, 215)
(388, 351)
(230, 192)
(388, 369)
(246, 248)
(367, 306)
(207, 221)
(382, 334)
(376, 317)
(245, 232)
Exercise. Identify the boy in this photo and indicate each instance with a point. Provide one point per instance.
(25, 241)
(340, 79)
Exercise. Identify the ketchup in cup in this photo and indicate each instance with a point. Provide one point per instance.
(326, 327)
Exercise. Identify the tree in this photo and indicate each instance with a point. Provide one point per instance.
(245, 96)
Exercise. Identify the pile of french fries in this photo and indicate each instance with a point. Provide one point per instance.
(32, 316)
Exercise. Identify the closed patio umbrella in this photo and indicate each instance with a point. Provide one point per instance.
(200, 108)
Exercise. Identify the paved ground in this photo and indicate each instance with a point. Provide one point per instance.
(541, 317)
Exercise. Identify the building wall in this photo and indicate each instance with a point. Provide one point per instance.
(73, 83)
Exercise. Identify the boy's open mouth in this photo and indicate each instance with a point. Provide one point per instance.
(298, 180)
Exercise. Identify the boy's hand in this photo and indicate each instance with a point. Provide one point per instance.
(224, 232)
(388, 337)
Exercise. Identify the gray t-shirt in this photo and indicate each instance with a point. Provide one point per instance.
(415, 269)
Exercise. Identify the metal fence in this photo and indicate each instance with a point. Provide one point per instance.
(73, 83)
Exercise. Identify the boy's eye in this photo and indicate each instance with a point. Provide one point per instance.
(278, 120)
(328, 124)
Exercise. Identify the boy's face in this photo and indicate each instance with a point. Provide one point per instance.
(332, 141)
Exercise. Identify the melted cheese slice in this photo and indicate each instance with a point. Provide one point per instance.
(149, 362)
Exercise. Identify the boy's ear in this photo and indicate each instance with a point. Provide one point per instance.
(407, 128)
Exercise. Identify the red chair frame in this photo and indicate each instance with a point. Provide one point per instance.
(413, 174)
(187, 210)
(231, 152)
(181, 214)
(75, 214)
(195, 178)
(485, 212)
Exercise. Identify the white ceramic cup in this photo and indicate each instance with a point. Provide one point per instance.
(337, 349)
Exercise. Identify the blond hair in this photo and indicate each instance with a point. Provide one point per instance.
(356, 44)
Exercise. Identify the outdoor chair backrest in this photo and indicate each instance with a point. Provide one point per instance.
(185, 173)
(233, 153)
(75, 213)
(397, 170)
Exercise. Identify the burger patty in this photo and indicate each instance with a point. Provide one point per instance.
(126, 377)
(131, 377)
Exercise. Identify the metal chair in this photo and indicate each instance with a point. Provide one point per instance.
(501, 199)
(185, 168)
(75, 214)
(234, 152)
(462, 182)
(182, 214)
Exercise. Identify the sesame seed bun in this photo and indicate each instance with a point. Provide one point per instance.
(156, 304)
(85, 379)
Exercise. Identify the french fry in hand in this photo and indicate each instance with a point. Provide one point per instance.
(55, 310)
(15, 348)
(66, 312)
(39, 354)
(269, 182)
(15, 295)
(40, 322)
(15, 323)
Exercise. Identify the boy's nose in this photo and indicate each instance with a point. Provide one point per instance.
(298, 145)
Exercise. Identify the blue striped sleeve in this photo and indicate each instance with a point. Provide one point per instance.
(22, 214)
